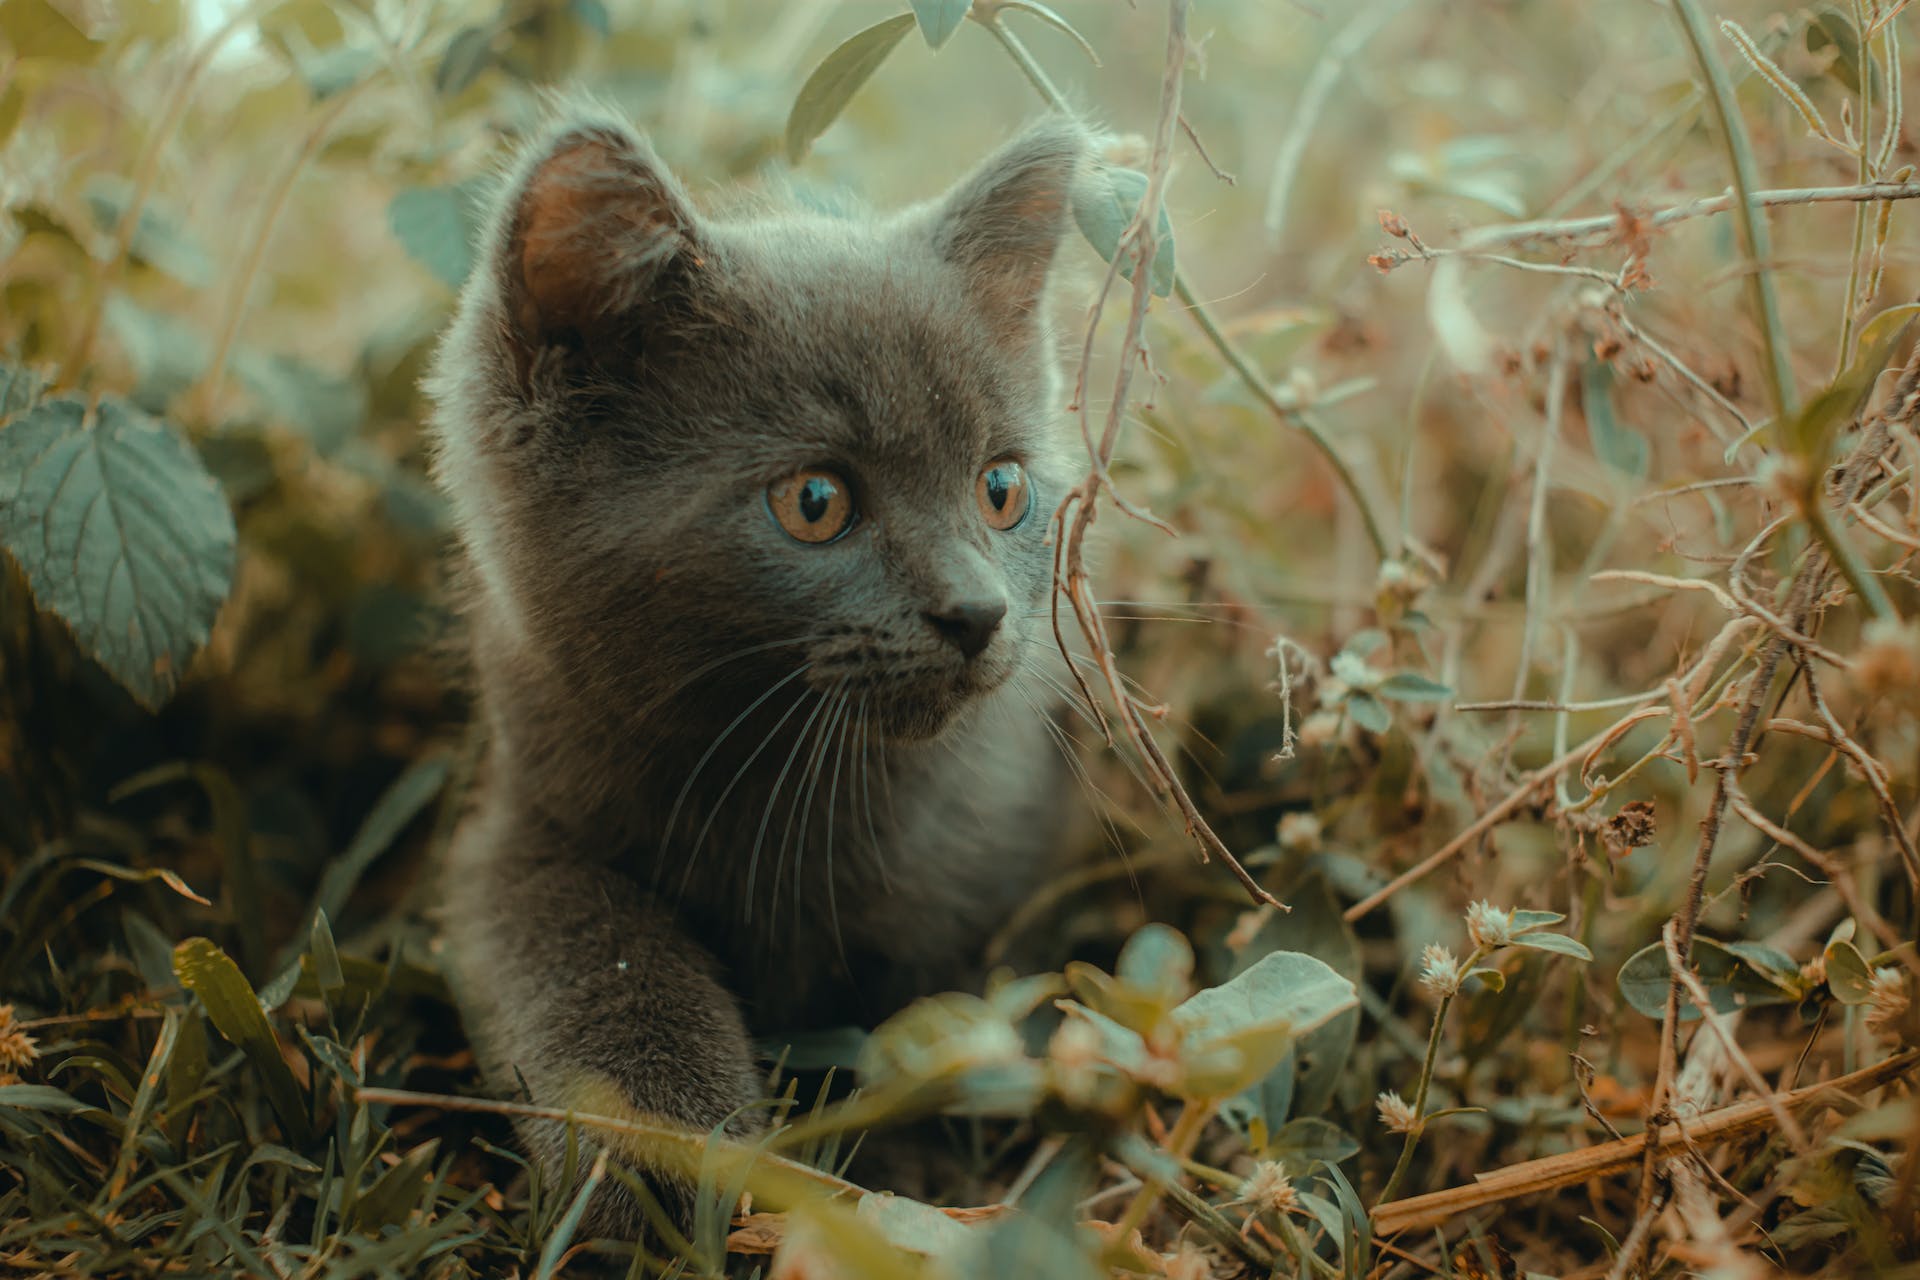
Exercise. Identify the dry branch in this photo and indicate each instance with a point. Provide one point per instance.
(1417, 1213)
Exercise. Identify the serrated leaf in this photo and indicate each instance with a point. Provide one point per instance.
(468, 54)
(1558, 943)
(1369, 712)
(1621, 448)
(1849, 976)
(437, 227)
(158, 240)
(121, 533)
(838, 77)
(939, 19)
(1105, 201)
(234, 1010)
(1409, 686)
(20, 389)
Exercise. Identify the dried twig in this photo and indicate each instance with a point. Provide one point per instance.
(1604, 1159)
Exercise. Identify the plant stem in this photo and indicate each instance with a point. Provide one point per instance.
(1865, 173)
(1186, 1130)
(1426, 1082)
(1295, 417)
(144, 176)
(1752, 225)
(270, 211)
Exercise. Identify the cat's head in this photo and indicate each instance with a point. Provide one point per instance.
(692, 456)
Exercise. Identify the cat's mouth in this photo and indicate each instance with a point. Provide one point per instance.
(920, 705)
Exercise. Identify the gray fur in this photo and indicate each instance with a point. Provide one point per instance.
(624, 378)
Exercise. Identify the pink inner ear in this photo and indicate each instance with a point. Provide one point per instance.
(579, 216)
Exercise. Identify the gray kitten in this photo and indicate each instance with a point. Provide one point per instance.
(754, 511)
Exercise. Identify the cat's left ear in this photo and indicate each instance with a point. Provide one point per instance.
(1004, 222)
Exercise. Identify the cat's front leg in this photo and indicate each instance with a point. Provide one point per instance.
(576, 983)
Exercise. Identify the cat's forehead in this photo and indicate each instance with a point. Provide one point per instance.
(856, 319)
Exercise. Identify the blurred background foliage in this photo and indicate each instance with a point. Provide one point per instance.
(249, 221)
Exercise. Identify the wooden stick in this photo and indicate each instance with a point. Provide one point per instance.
(1417, 1213)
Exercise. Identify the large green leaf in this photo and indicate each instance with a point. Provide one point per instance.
(1104, 205)
(1730, 980)
(838, 77)
(121, 533)
(1257, 1015)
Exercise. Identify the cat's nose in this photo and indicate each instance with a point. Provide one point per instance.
(968, 624)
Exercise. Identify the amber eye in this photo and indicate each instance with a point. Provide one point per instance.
(1002, 493)
(811, 505)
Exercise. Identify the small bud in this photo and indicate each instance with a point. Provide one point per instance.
(1886, 998)
(1393, 224)
(1299, 832)
(1488, 926)
(17, 1048)
(1269, 1189)
(1439, 970)
(1394, 1112)
(1384, 262)
(1320, 728)
(1606, 347)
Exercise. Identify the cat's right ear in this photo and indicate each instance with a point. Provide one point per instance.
(598, 235)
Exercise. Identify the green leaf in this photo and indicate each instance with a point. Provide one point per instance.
(20, 389)
(838, 77)
(41, 1097)
(167, 356)
(1495, 979)
(1105, 202)
(1528, 921)
(1301, 1144)
(1886, 324)
(1622, 448)
(1730, 982)
(336, 70)
(468, 54)
(397, 807)
(592, 15)
(1369, 712)
(1558, 943)
(437, 226)
(1849, 976)
(121, 533)
(234, 1010)
(1408, 686)
(158, 241)
(327, 409)
(1159, 960)
(939, 19)
(396, 1193)
(1261, 1011)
